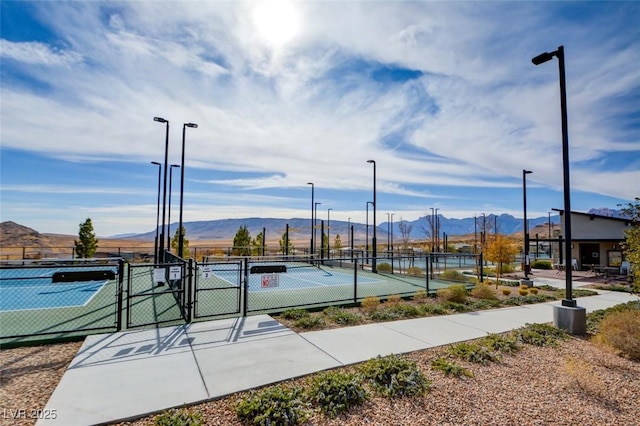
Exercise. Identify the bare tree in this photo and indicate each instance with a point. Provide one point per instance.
(405, 232)
(428, 229)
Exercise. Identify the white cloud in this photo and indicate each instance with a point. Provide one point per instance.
(35, 53)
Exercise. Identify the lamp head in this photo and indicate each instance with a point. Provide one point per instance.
(175, 165)
(160, 120)
(371, 161)
(155, 162)
(526, 172)
(194, 125)
(542, 58)
(310, 183)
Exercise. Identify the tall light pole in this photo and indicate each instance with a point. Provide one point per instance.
(526, 224)
(155, 253)
(374, 240)
(540, 59)
(164, 192)
(180, 230)
(348, 234)
(312, 217)
(169, 214)
(437, 220)
(388, 232)
(568, 315)
(392, 231)
(315, 220)
(328, 227)
(367, 238)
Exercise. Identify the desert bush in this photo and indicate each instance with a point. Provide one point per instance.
(434, 309)
(341, 316)
(540, 335)
(523, 291)
(480, 305)
(453, 275)
(295, 314)
(583, 376)
(415, 271)
(275, 405)
(524, 287)
(395, 376)
(309, 322)
(502, 343)
(594, 319)
(395, 312)
(336, 392)
(179, 418)
(454, 293)
(384, 267)
(507, 268)
(394, 299)
(370, 303)
(533, 290)
(541, 264)
(456, 307)
(449, 368)
(483, 291)
(420, 295)
(621, 331)
(473, 352)
(506, 291)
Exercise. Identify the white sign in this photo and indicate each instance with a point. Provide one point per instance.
(159, 275)
(206, 272)
(175, 272)
(270, 280)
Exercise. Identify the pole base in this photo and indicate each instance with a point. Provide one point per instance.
(527, 282)
(571, 319)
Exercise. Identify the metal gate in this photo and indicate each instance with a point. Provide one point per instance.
(218, 289)
(157, 294)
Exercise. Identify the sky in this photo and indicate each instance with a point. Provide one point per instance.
(443, 96)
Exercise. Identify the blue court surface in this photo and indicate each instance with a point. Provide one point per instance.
(24, 289)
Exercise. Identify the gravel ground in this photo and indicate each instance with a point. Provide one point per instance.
(575, 383)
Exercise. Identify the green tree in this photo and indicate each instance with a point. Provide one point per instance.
(87, 244)
(242, 242)
(257, 243)
(337, 243)
(631, 245)
(283, 244)
(175, 241)
(500, 250)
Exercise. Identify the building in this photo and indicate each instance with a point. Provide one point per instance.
(595, 240)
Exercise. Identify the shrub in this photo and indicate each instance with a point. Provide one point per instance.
(524, 287)
(179, 418)
(384, 267)
(341, 316)
(454, 293)
(621, 331)
(594, 319)
(533, 290)
(395, 312)
(415, 271)
(370, 303)
(453, 275)
(420, 295)
(540, 335)
(523, 291)
(456, 307)
(507, 268)
(506, 291)
(502, 343)
(483, 291)
(394, 299)
(275, 405)
(434, 309)
(582, 375)
(541, 264)
(309, 322)
(449, 368)
(295, 314)
(480, 305)
(395, 376)
(473, 352)
(336, 392)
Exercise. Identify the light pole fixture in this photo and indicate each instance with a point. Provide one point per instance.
(312, 217)
(180, 230)
(388, 232)
(348, 233)
(164, 191)
(155, 252)
(169, 209)
(526, 224)
(328, 228)
(367, 234)
(540, 59)
(374, 241)
(392, 232)
(315, 225)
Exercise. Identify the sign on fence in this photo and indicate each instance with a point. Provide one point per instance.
(206, 272)
(159, 275)
(175, 272)
(270, 280)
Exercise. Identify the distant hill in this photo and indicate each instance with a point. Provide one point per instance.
(300, 229)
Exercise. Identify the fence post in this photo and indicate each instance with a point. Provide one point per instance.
(119, 293)
(188, 290)
(481, 268)
(355, 280)
(426, 272)
(245, 267)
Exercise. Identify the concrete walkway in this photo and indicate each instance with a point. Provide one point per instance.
(133, 373)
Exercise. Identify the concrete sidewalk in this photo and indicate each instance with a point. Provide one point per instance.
(132, 373)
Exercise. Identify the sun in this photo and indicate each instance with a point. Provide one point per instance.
(276, 21)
